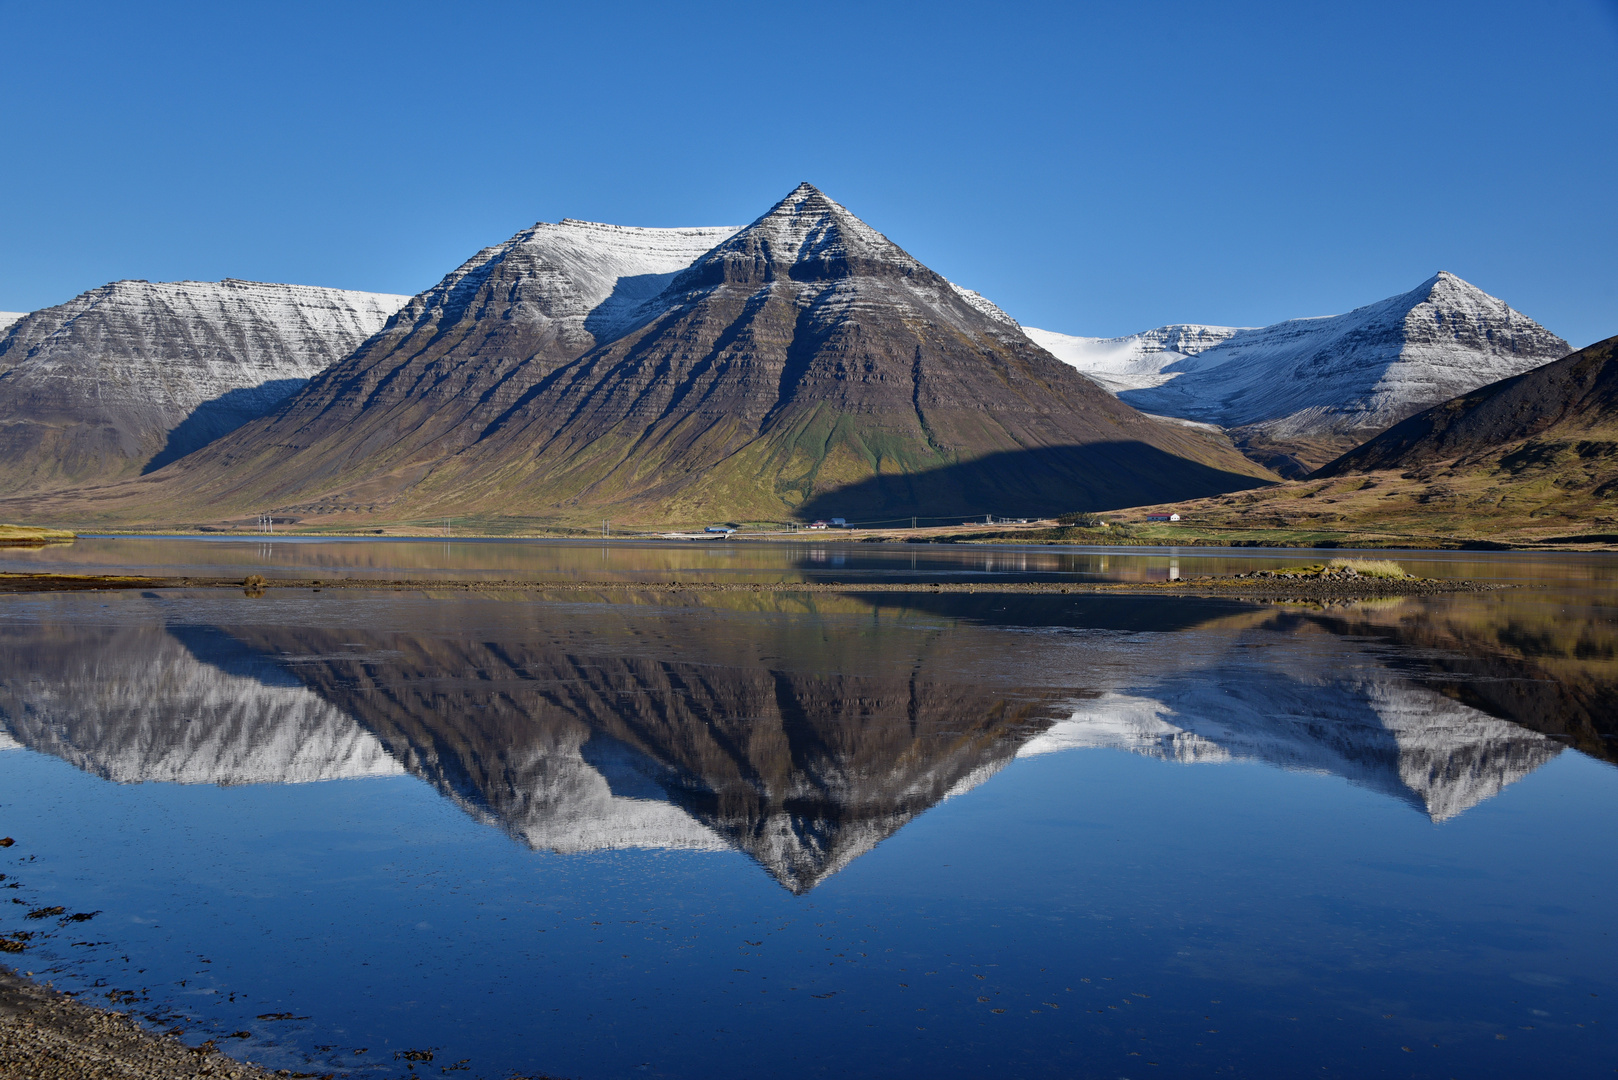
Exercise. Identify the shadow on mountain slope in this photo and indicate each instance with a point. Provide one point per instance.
(220, 416)
(1131, 614)
(1037, 482)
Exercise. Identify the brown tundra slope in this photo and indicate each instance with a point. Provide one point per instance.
(1532, 458)
(805, 366)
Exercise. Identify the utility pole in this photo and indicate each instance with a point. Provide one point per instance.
(605, 528)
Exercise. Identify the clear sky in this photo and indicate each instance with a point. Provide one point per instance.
(1093, 168)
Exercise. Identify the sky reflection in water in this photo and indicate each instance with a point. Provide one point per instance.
(791, 835)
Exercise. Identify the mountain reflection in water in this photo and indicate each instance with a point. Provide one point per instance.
(803, 743)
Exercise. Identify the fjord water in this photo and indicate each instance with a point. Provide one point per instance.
(627, 832)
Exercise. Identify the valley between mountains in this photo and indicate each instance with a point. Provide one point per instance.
(802, 367)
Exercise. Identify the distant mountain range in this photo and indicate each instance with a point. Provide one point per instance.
(804, 366)
(127, 377)
(1316, 387)
(801, 367)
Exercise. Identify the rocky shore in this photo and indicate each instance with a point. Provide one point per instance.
(46, 1035)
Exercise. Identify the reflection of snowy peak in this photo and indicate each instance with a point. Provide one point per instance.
(804, 772)
(141, 707)
(1453, 756)
(1405, 741)
(547, 794)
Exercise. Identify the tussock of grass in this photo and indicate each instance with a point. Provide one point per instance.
(1377, 568)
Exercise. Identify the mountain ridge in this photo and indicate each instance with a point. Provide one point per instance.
(1297, 393)
(803, 355)
(1578, 393)
(132, 374)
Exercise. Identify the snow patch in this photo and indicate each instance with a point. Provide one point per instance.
(1135, 360)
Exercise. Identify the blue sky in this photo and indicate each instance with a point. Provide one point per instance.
(1094, 169)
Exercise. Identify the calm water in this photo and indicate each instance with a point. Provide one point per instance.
(783, 835)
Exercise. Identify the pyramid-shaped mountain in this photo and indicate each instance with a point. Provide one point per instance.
(804, 365)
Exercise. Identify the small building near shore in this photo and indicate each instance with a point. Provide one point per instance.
(1162, 517)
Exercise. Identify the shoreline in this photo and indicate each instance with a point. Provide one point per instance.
(1272, 587)
(49, 1035)
(1233, 539)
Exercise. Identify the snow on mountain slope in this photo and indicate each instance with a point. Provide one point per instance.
(1134, 361)
(1402, 740)
(1354, 374)
(588, 278)
(9, 317)
(809, 321)
(984, 306)
(134, 705)
(135, 373)
(457, 357)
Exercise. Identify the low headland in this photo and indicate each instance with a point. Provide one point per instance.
(33, 536)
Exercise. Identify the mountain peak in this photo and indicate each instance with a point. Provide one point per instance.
(807, 236)
(1340, 379)
(1444, 283)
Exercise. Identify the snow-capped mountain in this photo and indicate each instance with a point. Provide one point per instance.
(9, 317)
(128, 376)
(459, 355)
(581, 371)
(1348, 376)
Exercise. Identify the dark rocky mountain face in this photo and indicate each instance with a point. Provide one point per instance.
(804, 366)
(132, 375)
(808, 365)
